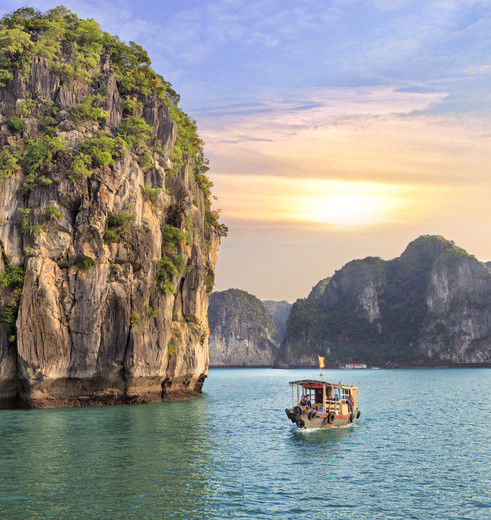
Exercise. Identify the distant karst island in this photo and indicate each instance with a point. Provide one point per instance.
(244, 331)
(430, 306)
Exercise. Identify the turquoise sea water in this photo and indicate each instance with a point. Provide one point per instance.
(421, 450)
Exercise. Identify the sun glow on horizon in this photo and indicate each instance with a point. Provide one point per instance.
(351, 204)
(343, 204)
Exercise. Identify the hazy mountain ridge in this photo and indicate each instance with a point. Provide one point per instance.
(431, 305)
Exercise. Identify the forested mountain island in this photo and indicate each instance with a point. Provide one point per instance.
(430, 306)
(243, 332)
(108, 238)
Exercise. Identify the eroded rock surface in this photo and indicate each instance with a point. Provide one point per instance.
(100, 315)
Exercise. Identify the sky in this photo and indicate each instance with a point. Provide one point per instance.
(335, 129)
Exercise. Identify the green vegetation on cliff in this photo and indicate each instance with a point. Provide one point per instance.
(98, 168)
(241, 304)
(73, 49)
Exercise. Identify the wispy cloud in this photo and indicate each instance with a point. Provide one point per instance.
(377, 134)
(316, 108)
(350, 158)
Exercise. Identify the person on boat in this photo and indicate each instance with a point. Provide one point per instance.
(306, 401)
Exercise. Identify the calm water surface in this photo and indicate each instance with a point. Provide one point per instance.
(421, 450)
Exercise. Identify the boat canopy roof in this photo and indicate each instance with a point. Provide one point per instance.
(312, 383)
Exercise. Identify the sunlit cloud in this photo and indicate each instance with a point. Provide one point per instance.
(377, 135)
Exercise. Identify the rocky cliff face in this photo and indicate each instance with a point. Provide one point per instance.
(242, 331)
(430, 305)
(108, 240)
(457, 325)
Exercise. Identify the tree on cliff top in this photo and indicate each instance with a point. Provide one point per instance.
(73, 49)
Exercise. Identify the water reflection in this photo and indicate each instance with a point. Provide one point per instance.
(112, 462)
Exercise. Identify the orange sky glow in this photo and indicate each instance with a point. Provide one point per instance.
(369, 168)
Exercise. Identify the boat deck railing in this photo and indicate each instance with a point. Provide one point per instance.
(333, 405)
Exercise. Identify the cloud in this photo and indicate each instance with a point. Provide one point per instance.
(329, 133)
(477, 70)
(374, 152)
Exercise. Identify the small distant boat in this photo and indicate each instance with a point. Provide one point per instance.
(318, 404)
(354, 365)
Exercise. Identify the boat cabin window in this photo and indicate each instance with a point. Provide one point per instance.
(315, 395)
(308, 392)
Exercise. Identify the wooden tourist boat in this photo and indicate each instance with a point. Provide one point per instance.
(318, 404)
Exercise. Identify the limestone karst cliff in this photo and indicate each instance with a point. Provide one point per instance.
(242, 331)
(430, 305)
(108, 240)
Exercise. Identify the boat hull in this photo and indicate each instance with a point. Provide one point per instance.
(307, 419)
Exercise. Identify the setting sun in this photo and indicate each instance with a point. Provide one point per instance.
(316, 201)
(351, 204)
(344, 210)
